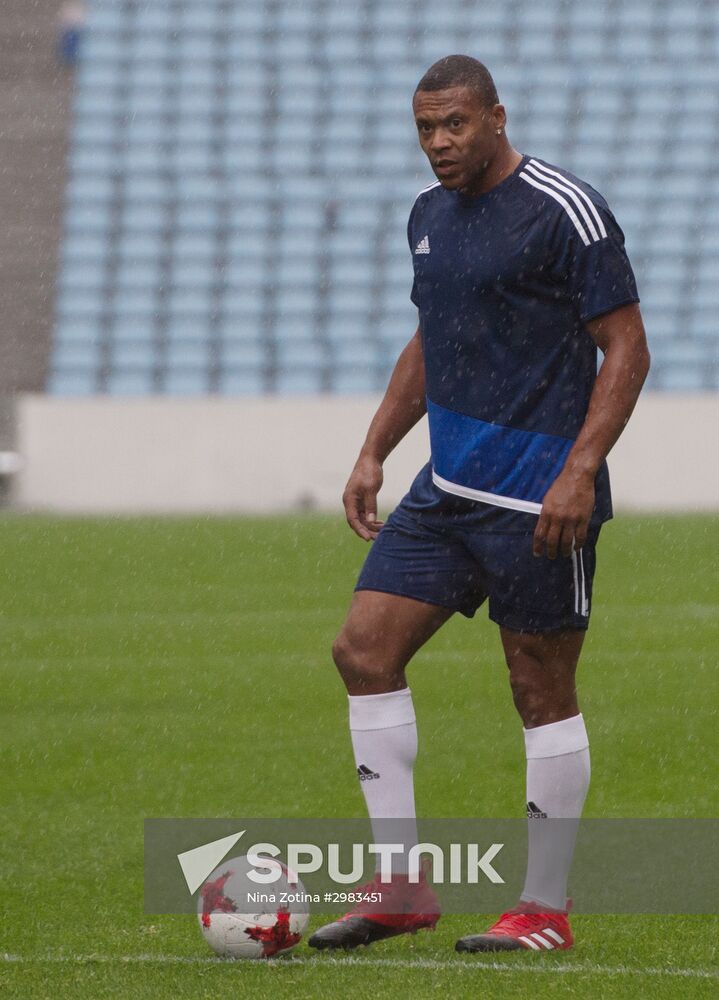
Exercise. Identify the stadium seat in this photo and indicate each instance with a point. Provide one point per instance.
(309, 354)
(71, 329)
(135, 303)
(151, 48)
(247, 47)
(132, 330)
(72, 383)
(396, 18)
(122, 382)
(193, 274)
(188, 354)
(197, 217)
(157, 18)
(344, 271)
(704, 325)
(684, 378)
(185, 303)
(302, 272)
(349, 301)
(133, 274)
(347, 329)
(83, 274)
(289, 302)
(141, 355)
(243, 353)
(231, 325)
(107, 18)
(360, 353)
(184, 329)
(661, 326)
(77, 356)
(356, 380)
(343, 19)
(242, 382)
(80, 303)
(190, 381)
(302, 217)
(194, 246)
(249, 303)
(299, 381)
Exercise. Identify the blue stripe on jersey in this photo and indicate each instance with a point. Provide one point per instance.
(506, 463)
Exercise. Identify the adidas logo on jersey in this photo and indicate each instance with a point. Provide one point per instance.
(422, 246)
(534, 812)
(365, 773)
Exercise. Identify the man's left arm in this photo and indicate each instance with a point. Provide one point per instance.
(569, 502)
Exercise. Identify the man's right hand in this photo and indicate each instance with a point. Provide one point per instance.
(404, 403)
(360, 497)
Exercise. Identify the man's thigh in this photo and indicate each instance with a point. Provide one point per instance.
(386, 630)
(534, 594)
(412, 560)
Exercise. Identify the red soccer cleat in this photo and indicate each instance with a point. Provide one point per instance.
(413, 907)
(527, 926)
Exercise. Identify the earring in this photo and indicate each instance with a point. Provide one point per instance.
(499, 131)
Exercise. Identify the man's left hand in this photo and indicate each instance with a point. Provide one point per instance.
(564, 520)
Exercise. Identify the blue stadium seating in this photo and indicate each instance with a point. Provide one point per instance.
(241, 172)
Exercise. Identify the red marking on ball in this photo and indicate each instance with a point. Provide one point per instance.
(214, 899)
(275, 938)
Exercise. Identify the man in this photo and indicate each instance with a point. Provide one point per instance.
(520, 274)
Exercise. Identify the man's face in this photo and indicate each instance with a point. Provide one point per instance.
(458, 133)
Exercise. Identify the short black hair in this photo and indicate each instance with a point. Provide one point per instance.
(461, 71)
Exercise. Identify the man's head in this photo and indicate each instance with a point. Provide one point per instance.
(459, 120)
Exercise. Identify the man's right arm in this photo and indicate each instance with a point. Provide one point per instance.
(403, 405)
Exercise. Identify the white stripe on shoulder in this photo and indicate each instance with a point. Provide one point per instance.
(428, 188)
(582, 194)
(562, 201)
(572, 194)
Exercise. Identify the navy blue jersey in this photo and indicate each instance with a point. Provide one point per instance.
(505, 283)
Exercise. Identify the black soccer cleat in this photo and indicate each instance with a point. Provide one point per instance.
(411, 907)
(351, 933)
(487, 942)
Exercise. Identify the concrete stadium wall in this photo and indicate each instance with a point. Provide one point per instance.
(106, 455)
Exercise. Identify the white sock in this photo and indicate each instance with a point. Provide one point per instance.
(384, 739)
(557, 783)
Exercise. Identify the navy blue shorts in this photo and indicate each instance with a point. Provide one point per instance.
(459, 568)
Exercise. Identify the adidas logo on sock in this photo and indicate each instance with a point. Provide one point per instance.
(422, 246)
(365, 773)
(534, 812)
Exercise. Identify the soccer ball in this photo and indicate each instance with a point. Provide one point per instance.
(276, 926)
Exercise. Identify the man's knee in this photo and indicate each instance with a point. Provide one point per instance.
(356, 658)
(530, 695)
(365, 661)
(345, 652)
(543, 685)
(381, 634)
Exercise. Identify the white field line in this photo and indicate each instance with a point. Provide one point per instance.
(458, 965)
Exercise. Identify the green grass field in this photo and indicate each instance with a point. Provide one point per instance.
(181, 668)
